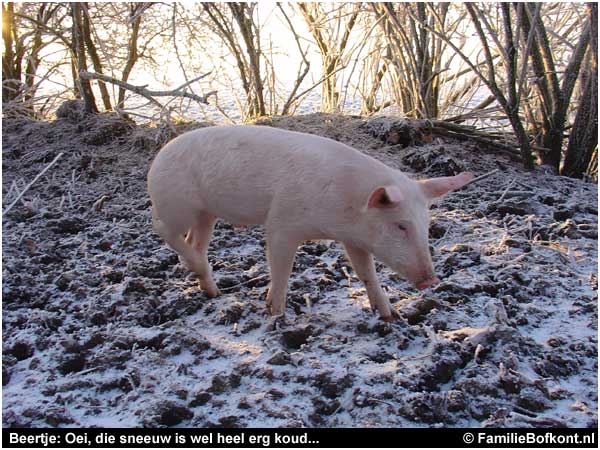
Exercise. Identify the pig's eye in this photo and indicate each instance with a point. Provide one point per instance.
(401, 227)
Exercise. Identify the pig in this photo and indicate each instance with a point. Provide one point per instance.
(300, 187)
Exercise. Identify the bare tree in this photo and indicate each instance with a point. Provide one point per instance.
(83, 86)
(12, 57)
(90, 46)
(582, 150)
(23, 41)
(416, 60)
(554, 95)
(497, 82)
(247, 53)
(239, 28)
(136, 13)
(293, 98)
(331, 31)
(508, 50)
(128, 42)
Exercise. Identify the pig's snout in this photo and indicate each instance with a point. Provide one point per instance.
(427, 283)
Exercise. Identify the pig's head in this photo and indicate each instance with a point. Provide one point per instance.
(398, 221)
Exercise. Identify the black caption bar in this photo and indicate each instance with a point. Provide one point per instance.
(297, 437)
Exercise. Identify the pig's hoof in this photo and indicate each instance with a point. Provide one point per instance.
(275, 322)
(393, 317)
(275, 312)
(211, 292)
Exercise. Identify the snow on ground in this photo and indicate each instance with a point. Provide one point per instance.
(102, 326)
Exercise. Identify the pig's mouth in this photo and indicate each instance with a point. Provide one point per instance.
(420, 280)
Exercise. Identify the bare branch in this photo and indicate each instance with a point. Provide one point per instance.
(31, 183)
(147, 93)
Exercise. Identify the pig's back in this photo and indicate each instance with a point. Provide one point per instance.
(235, 172)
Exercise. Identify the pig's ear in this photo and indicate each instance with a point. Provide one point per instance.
(436, 187)
(385, 197)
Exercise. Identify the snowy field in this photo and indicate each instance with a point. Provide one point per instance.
(102, 326)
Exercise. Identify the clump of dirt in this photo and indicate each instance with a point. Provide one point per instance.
(94, 303)
(399, 131)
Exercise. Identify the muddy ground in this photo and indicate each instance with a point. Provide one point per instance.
(103, 326)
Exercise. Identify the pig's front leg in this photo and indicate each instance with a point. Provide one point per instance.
(280, 256)
(364, 266)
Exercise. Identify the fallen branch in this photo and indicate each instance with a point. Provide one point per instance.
(465, 133)
(510, 194)
(506, 190)
(37, 177)
(485, 175)
(391, 130)
(149, 94)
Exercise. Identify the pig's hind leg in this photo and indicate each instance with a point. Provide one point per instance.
(364, 267)
(198, 238)
(195, 260)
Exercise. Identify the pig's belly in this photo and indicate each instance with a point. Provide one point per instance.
(239, 208)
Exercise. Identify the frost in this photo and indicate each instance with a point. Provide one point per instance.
(102, 326)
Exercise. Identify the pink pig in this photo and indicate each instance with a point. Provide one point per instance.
(301, 187)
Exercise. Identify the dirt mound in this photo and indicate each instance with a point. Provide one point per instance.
(104, 327)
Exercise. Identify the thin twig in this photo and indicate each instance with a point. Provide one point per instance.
(512, 193)
(506, 190)
(91, 369)
(414, 358)
(261, 277)
(38, 176)
(383, 402)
